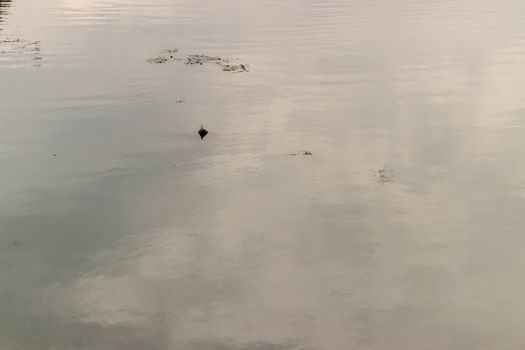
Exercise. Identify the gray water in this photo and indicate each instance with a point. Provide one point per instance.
(121, 229)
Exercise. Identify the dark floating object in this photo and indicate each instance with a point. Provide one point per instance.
(202, 132)
(54, 154)
(15, 242)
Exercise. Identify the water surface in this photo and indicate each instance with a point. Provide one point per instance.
(120, 229)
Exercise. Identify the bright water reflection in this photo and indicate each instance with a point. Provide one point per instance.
(137, 235)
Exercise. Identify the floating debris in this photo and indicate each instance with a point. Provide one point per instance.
(180, 101)
(222, 62)
(301, 153)
(15, 242)
(202, 132)
(201, 59)
(159, 59)
(384, 175)
(54, 154)
(235, 68)
(168, 55)
(21, 47)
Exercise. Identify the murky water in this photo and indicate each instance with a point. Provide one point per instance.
(121, 229)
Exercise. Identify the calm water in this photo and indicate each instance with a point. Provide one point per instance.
(121, 230)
